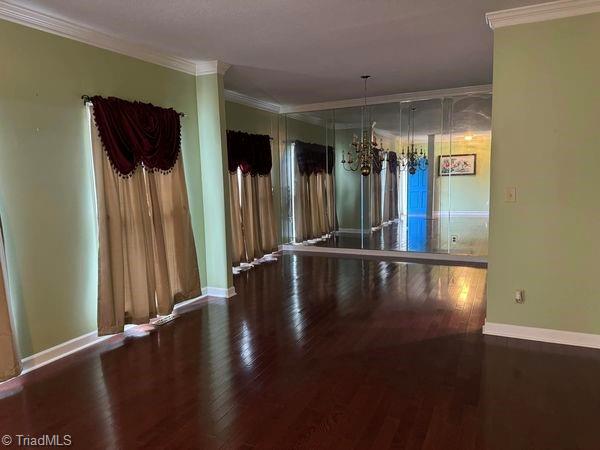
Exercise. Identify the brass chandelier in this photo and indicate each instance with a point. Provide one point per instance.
(411, 158)
(366, 151)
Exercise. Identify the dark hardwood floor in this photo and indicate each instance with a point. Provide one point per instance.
(428, 235)
(319, 352)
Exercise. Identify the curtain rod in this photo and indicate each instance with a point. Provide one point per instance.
(87, 99)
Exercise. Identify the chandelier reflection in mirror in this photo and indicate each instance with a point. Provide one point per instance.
(411, 158)
(366, 151)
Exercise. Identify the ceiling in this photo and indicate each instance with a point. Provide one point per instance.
(461, 115)
(296, 52)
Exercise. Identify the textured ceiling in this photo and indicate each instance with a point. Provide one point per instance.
(303, 51)
(460, 115)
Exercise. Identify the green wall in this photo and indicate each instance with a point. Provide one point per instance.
(347, 184)
(465, 192)
(46, 198)
(546, 143)
(251, 120)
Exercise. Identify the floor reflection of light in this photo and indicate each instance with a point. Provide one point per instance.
(464, 293)
(297, 318)
(246, 349)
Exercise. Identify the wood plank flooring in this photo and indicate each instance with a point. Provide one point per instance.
(319, 352)
(471, 234)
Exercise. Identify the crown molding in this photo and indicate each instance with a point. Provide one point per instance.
(542, 12)
(71, 30)
(243, 99)
(393, 98)
(211, 67)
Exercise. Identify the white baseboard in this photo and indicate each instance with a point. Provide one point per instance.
(60, 351)
(220, 292)
(461, 214)
(542, 334)
(387, 254)
(348, 231)
(67, 348)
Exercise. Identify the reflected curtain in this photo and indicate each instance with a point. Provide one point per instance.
(375, 198)
(147, 258)
(314, 213)
(252, 212)
(238, 249)
(390, 188)
(10, 364)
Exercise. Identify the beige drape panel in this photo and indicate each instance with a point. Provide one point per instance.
(250, 218)
(252, 223)
(375, 199)
(330, 197)
(10, 365)
(394, 196)
(268, 235)
(314, 205)
(302, 213)
(146, 248)
(390, 196)
(238, 250)
(175, 263)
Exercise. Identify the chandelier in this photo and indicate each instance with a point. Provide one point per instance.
(365, 152)
(412, 158)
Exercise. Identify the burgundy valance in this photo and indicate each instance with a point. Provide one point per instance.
(392, 162)
(250, 152)
(314, 158)
(134, 133)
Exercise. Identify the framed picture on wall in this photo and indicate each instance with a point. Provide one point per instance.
(457, 165)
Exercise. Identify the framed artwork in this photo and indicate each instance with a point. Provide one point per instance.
(457, 165)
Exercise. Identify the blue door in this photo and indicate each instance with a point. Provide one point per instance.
(417, 193)
(417, 211)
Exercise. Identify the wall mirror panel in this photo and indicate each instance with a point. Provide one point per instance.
(427, 189)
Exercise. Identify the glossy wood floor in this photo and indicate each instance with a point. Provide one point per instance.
(320, 352)
(432, 236)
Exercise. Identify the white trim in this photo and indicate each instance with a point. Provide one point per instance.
(211, 67)
(393, 98)
(461, 213)
(349, 231)
(88, 35)
(387, 254)
(71, 346)
(542, 334)
(60, 351)
(243, 99)
(541, 12)
(220, 292)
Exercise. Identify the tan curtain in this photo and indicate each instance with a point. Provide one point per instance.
(252, 223)
(303, 221)
(314, 206)
(330, 197)
(10, 365)
(394, 196)
(250, 217)
(135, 248)
(237, 234)
(387, 195)
(375, 199)
(266, 216)
(175, 263)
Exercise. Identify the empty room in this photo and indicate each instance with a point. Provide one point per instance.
(328, 224)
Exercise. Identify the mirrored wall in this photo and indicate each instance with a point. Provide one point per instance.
(427, 191)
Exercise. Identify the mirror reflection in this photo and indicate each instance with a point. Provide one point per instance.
(405, 176)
